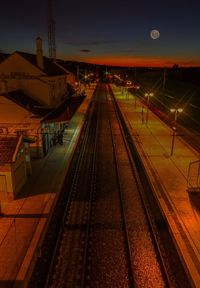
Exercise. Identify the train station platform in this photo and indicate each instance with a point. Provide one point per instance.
(24, 221)
(168, 175)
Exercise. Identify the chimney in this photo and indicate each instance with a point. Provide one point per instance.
(39, 53)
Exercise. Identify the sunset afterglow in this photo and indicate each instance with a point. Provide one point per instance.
(107, 32)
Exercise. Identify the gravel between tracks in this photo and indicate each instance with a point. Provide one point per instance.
(108, 267)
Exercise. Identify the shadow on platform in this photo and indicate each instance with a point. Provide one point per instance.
(195, 201)
(25, 216)
(10, 284)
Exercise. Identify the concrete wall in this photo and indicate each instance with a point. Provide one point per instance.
(5, 181)
(71, 79)
(19, 175)
(14, 177)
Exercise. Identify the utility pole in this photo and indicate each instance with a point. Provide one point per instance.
(135, 74)
(148, 95)
(51, 32)
(106, 74)
(173, 138)
(164, 81)
(77, 74)
(175, 111)
(85, 76)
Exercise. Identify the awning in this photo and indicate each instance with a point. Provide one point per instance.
(65, 111)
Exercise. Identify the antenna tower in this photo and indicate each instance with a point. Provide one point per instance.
(51, 32)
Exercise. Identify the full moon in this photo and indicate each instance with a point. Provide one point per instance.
(155, 34)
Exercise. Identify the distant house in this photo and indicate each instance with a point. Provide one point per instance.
(35, 75)
(13, 168)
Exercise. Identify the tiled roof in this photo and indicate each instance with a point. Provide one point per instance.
(27, 102)
(7, 148)
(50, 68)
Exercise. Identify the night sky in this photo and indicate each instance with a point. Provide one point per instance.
(107, 31)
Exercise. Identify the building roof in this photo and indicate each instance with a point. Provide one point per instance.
(65, 111)
(50, 68)
(25, 101)
(3, 56)
(8, 145)
(66, 66)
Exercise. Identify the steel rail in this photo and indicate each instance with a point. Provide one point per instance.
(125, 229)
(92, 190)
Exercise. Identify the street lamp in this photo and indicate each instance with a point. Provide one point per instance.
(148, 95)
(85, 78)
(175, 111)
(137, 87)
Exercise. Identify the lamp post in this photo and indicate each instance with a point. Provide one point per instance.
(175, 111)
(85, 77)
(148, 95)
(173, 137)
(137, 87)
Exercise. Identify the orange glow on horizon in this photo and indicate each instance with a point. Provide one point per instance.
(137, 61)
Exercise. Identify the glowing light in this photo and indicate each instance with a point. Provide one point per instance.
(148, 94)
(176, 110)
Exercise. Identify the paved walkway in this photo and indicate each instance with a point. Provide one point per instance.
(168, 177)
(25, 219)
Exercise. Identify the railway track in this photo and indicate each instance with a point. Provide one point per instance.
(127, 243)
(41, 275)
(170, 267)
(71, 253)
(111, 233)
(159, 275)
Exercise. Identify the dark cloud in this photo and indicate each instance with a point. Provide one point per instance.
(85, 50)
(91, 43)
(103, 42)
(130, 51)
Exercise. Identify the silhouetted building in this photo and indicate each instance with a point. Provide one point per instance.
(37, 76)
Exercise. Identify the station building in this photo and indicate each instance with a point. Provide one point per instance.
(35, 75)
(31, 87)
